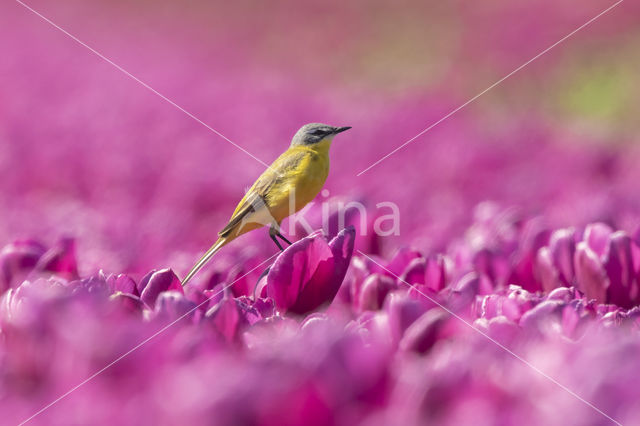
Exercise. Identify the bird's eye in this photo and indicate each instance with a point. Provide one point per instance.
(318, 132)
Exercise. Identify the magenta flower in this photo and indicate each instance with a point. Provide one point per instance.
(597, 235)
(373, 292)
(122, 283)
(227, 319)
(127, 302)
(155, 282)
(171, 305)
(430, 273)
(18, 259)
(561, 249)
(401, 311)
(309, 273)
(60, 259)
(590, 274)
(622, 271)
(612, 275)
(423, 333)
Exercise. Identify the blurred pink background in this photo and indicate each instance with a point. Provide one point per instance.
(89, 153)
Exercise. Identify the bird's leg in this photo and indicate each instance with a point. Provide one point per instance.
(278, 234)
(273, 231)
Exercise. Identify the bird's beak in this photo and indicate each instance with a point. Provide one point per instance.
(341, 129)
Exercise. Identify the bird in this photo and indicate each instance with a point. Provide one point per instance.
(289, 183)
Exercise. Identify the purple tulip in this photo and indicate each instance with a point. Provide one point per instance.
(60, 260)
(155, 282)
(591, 277)
(524, 299)
(255, 310)
(543, 316)
(565, 294)
(226, 319)
(575, 319)
(430, 272)
(127, 303)
(619, 266)
(18, 259)
(308, 273)
(242, 285)
(546, 271)
(416, 272)
(401, 260)
(402, 311)
(562, 248)
(494, 266)
(373, 292)
(122, 283)
(525, 270)
(493, 306)
(28, 302)
(423, 333)
(95, 286)
(597, 235)
(463, 294)
(171, 305)
(501, 329)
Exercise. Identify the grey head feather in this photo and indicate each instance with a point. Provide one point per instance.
(315, 132)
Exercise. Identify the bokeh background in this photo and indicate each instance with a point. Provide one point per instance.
(87, 152)
(510, 206)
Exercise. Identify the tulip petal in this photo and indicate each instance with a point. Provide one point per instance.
(17, 259)
(60, 260)
(309, 273)
(373, 292)
(171, 305)
(122, 283)
(596, 236)
(591, 277)
(562, 247)
(226, 318)
(618, 263)
(156, 282)
(545, 270)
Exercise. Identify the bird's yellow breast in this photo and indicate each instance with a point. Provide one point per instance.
(302, 182)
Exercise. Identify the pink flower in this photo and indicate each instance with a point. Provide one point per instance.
(60, 259)
(373, 292)
(426, 331)
(122, 283)
(171, 305)
(428, 273)
(155, 282)
(309, 273)
(609, 275)
(618, 263)
(17, 259)
(226, 318)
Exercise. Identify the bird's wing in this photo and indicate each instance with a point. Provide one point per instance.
(259, 194)
(249, 204)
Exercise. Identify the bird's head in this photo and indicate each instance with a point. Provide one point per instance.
(314, 133)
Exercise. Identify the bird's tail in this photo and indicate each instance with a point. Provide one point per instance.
(204, 259)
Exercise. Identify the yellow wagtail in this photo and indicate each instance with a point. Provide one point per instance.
(292, 181)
